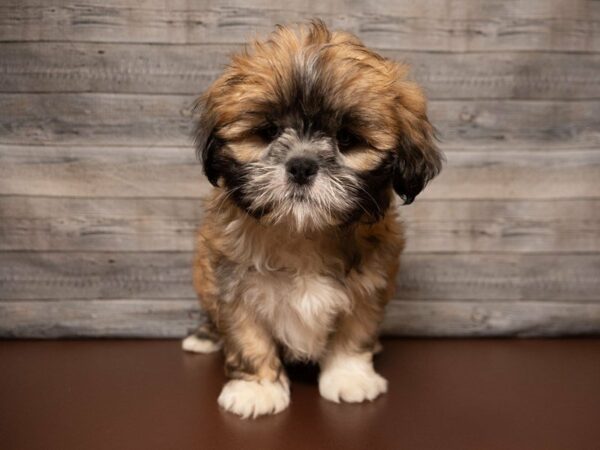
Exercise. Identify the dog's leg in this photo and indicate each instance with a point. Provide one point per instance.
(258, 384)
(205, 339)
(347, 372)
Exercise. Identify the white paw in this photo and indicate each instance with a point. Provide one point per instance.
(352, 379)
(254, 398)
(196, 345)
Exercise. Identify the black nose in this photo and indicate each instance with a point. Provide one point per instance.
(301, 170)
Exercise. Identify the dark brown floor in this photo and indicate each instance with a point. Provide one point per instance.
(444, 394)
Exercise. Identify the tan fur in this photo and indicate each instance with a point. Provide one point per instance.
(270, 288)
(268, 254)
(359, 78)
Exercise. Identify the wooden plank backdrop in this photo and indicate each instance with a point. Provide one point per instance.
(100, 192)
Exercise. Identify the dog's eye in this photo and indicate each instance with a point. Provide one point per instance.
(346, 139)
(269, 131)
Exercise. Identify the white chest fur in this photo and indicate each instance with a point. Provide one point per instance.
(299, 309)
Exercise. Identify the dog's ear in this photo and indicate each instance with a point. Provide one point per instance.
(207, 144)
(417, 158)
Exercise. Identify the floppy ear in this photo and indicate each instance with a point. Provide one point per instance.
(417, 159)
(207, 144)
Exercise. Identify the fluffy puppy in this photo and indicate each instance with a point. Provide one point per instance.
(305, 137)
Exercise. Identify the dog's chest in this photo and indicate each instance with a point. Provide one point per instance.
(299, 309)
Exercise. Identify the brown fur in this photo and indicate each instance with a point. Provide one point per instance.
(343, 254)
(358, 78)
(241, 250)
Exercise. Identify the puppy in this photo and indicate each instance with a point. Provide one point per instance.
(305, 136)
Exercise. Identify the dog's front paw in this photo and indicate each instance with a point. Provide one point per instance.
(351, 379)
(254, 398)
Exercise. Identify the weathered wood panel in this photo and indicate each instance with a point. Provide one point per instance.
(92, 318)
(155, 275)
(95, 119)
(503, 226)
(175, 318)
(105, 275)
(489, 276)
(154, 120)
(516, 123)
(97, 171)
(174, 172)
(189, 69)
(460, 319)
(104, 224)
(430, 25)
(157, 224)
(128, 68)
(503, 174)
(97, 220)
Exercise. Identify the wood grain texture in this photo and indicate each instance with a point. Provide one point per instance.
(105, 275)
(92, 318)
(490, 276)
(429, 25)
(505, 174)
(98, 224)
(101, 171)
(189, 69)
(174, 172)
(497, 318)
(155, 275)
(511, 226)
(154, 120)
(176, 318)
(158, 224)
(100, 190)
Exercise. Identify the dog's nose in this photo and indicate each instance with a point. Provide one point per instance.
(301, 169)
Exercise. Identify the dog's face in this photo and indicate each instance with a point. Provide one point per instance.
(312, 129)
